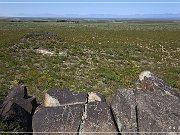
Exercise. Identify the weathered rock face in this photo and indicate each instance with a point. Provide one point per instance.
(124, 108)
(60, 97)
(149, 82)
(158, 112)
(98, 118)
(158, 105)
(78, 112)
(61, 112)
(153, 106)
(58, 119)
(17, 118)
(17, 110)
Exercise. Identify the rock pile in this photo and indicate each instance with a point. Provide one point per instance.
(78, 112)
(152, 106)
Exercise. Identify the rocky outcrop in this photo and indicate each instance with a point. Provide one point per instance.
(149, 82)
(98, 119)
(152, 106)
(158, 105)
(17, 110)
(73, 112)
(58, 119)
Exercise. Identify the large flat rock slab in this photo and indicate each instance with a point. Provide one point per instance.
(60, 97)
(153, 106)
(58, 119)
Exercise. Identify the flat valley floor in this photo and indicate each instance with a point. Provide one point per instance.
(87, 55)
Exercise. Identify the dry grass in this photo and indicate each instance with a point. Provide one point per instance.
(100, 57)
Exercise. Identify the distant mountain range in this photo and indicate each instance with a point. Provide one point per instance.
(156, 16)
(107, 16)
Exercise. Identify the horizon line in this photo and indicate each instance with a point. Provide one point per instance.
(89, 15)
(78, 2)
(91, 132)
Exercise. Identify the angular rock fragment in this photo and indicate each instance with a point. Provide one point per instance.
(17, 118)
(19, 96)
(60, 97)
(149, 82)
(98, 119)
(158, 105)
(58, 119)
(124, 109)
(17, 110)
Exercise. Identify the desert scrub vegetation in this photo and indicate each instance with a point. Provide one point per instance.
(86, 56)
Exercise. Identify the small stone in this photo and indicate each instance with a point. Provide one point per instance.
(96, 97)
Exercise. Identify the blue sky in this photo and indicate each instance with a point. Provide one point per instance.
(15, 9)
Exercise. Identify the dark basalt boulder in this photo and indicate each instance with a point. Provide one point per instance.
(154, 106)
(124, 108)
(158, 105)
(16, 118)
(17, 110)
(61, 111)
(60, 97)
(62, 119)
(157, 118)
(19, 95)
(98, 119)
(67, 111)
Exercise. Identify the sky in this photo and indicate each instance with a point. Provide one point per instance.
(61, 9)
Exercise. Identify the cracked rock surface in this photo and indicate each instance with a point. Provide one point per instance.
(58, 119)
(153, 106)
(99, 119)
(158, 105)
(77, 112)
(124, 108)
(61, 112)
(60, 97)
